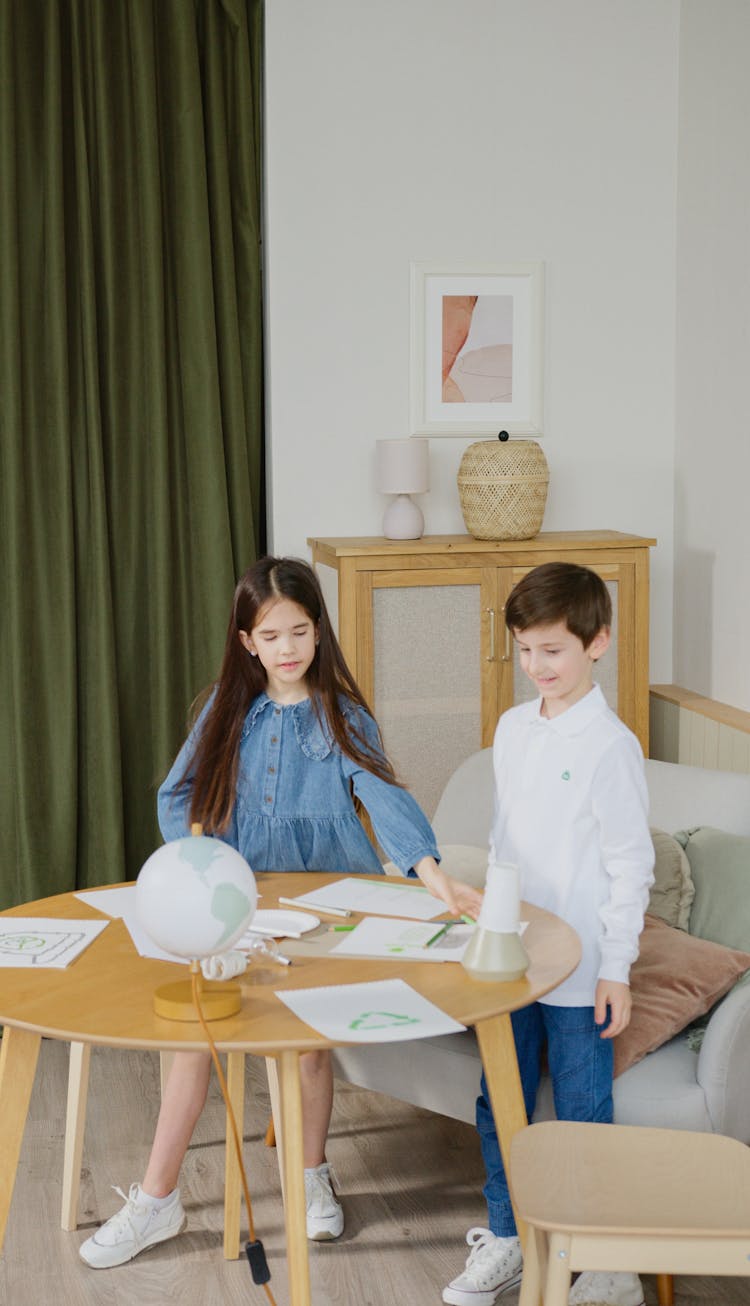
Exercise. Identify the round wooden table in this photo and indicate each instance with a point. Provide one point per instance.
(105, 998)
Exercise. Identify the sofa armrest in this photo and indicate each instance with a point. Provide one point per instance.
(723, 1070)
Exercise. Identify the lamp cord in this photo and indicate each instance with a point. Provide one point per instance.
(195, 975)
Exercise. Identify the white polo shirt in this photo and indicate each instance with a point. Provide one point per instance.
(571, 810)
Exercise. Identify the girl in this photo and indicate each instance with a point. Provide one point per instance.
(272, 766)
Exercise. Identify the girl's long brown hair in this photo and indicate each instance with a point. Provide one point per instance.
(212, 767)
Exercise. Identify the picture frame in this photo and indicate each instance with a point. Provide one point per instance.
(477, 349)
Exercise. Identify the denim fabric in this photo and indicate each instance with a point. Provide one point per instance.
(580, 1064)
(294, 809)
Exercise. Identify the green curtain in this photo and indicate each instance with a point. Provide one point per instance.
(130, 407)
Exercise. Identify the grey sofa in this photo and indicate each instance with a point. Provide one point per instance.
(674, 1086)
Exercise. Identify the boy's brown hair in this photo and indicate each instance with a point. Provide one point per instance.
(560, 591)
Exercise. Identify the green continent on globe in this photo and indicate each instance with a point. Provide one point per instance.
(199, 853)
(229, 905)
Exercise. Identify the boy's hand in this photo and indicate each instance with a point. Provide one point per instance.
(460, 899)
(616, 996)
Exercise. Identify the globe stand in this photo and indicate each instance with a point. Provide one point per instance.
(218, 998)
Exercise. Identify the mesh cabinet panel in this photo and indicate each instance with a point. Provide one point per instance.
(427, 681)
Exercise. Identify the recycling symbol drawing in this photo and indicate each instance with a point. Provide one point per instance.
(381, 1020)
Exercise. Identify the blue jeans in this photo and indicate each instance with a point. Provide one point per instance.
(580, 1064)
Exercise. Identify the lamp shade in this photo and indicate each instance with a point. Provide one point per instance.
(402, 466)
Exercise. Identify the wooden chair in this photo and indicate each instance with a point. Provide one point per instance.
(75, 1126)
(618, 1197)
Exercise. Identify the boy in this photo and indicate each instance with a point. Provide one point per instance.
(571, 810)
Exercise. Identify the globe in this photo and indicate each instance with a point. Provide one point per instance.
(195, 896)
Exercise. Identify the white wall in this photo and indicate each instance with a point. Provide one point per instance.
(495, 131)
(712, 483)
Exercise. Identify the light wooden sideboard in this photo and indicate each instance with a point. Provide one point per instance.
(421, 625)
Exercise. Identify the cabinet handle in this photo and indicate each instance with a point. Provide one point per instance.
(506, 648)
(492, 655)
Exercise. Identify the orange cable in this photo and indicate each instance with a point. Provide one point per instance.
(230, 1113)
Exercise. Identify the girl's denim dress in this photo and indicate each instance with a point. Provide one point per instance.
(294, 808)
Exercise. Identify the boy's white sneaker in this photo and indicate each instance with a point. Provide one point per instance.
(325, 1218)
(137, 1225)
(595, 1289)
(492, 1267)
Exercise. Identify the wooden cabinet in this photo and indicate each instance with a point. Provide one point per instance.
(421, 626)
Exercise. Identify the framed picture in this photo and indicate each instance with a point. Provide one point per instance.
(477, 349)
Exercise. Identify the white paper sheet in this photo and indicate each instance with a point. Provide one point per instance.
(144, 944)
(115, 902)
(379, 936)
(44, 942)
(378, 897)
(384, 1011)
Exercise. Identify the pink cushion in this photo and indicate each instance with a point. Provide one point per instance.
(676, 979)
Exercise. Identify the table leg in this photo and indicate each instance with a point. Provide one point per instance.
(294, 1182)
(232, 1179)
(75, 1128)
(272, 1071)
(19, 1052)
(498, 1050)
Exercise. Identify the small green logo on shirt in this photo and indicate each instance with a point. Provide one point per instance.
(565, 775)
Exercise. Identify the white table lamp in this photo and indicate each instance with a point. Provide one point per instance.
(403, 469)
(495, 950)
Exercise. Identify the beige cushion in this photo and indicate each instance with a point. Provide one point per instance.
(673, 890)
(676, 979)
(461, 861)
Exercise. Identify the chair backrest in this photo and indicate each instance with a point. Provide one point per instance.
(680, 797)
(464, 813)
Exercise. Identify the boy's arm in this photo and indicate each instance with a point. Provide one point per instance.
(620, 805)
(498, 783)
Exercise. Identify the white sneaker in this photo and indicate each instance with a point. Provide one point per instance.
(493, 1266)
(325, 1218)
(137, 1225)
(594, 1289)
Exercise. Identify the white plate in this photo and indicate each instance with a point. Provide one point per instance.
(282, 924)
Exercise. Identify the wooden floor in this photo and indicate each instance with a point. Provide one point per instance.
(410, 1182)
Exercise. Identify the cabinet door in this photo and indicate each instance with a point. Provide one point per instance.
(615, 672)
(423, 636)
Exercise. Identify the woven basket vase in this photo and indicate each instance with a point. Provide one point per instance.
(503, 489)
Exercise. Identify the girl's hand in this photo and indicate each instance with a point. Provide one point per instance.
(460, 899)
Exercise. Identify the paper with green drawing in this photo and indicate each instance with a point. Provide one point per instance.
(44, 942)
(381, 1011)
(405, 940)
(384, 897)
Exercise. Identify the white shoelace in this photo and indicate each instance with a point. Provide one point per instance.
(483, 1245)
(121, 1219)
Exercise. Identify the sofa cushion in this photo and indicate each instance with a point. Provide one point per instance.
(675, 979)
(673, 890)
(720, 868)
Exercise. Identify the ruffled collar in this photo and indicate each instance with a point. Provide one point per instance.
(314, 738)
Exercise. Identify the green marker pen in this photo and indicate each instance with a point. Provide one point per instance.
(443, 930)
